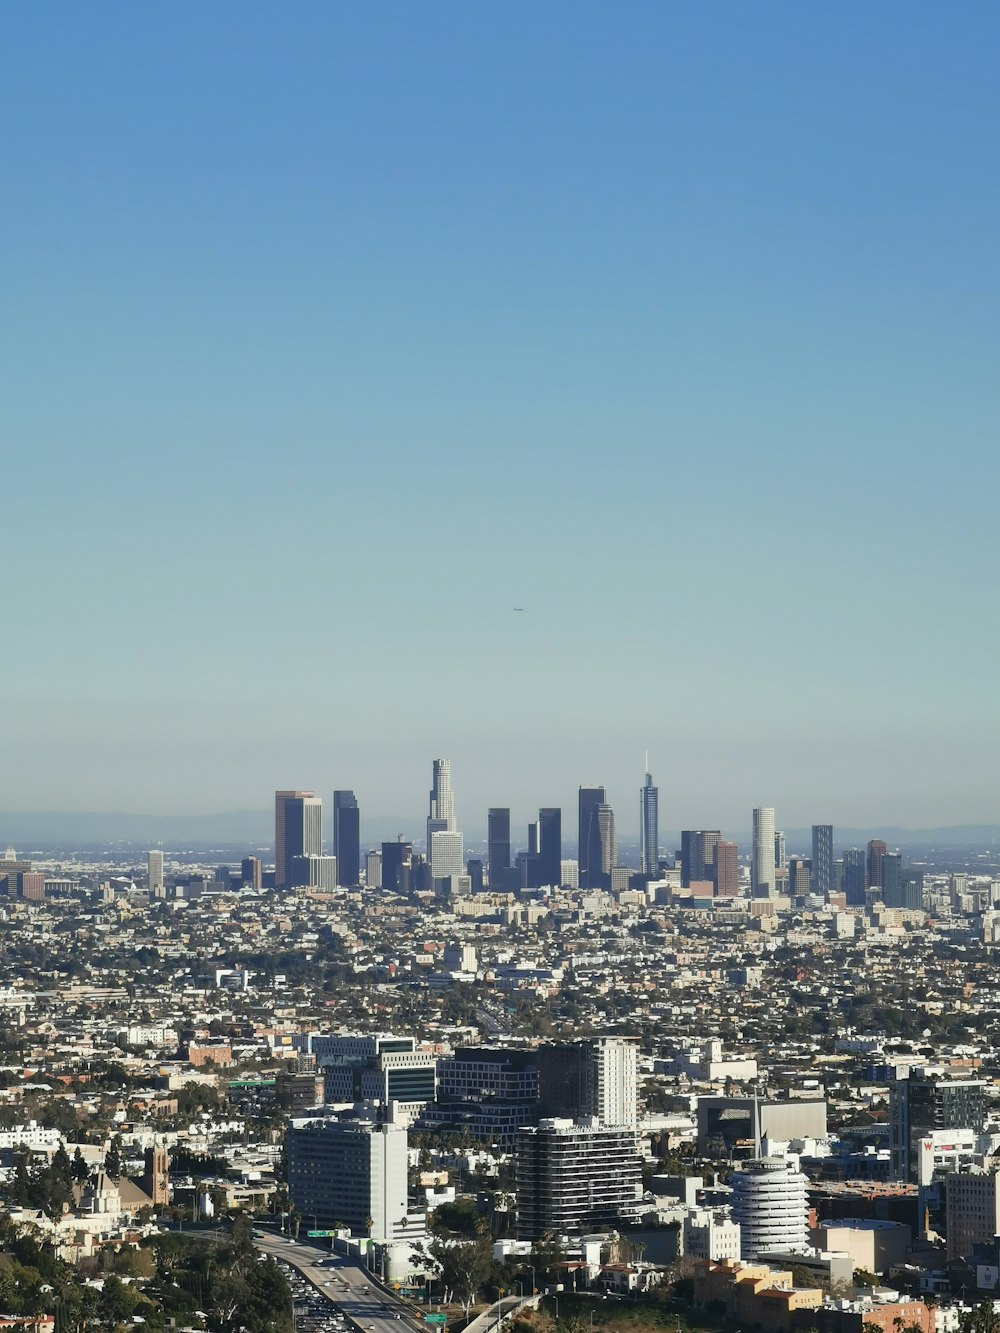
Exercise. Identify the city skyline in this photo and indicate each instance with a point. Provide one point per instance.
(640, 331)
(600, 396)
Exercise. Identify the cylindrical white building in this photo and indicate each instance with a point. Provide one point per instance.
(769, 1202)
(762, 865)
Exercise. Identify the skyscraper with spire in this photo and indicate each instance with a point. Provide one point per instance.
(649, 825)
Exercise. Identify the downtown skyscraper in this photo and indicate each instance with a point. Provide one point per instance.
(855, 876)
(442, 799)
(445, 845)
(698, 854)
(498, 846)
(821, 872)
(298, 831)
(550, 846)
(347, 838)
(589, 835)
(762, 863)
(441, 811)
(604, 856)
(649, 827)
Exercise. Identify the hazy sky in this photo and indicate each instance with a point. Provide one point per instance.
(333, 332)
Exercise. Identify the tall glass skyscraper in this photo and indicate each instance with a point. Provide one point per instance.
(855, 876)
(550, 846)
(821, 874)
(498, 845)
(589, 835)
(347, 838)
(649, 827)
(762, 865)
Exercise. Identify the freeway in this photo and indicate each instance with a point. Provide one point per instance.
(493, 1317)
(349, 1286)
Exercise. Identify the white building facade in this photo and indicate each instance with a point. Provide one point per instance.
(769, 1203)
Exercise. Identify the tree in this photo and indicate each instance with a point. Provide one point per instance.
(805, 1277)
(549, 1253)
(982, 1319)
(463, 1267)
(118, 1302)
(113, 1158)
(460, 1217)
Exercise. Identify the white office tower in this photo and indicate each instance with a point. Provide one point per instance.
(154, 862)
(373, 870)
(762, 866)
(441, 815)
(442, 798)
(569, 874)
(609, 842)
(615, 1080)
(780, 852)
(352, 1173)
(447, 854)
(769, 1203)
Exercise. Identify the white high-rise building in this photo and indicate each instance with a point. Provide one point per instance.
(616, 1076)
(780, 853)
(770, 1204)
(762, 865)
(154, 862)
(442, 797)
(441, 815)
(352, 1173)
(373, 869)
(447, 854)
(609, 842)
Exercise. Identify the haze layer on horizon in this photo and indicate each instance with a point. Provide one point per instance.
(334, 334)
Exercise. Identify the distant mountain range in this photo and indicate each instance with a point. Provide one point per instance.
(29, 831)
(40, 830)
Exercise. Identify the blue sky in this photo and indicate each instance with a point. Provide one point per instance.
(331, 333)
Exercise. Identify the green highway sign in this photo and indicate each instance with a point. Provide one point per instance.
(320, 1233)
(435, 1319)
